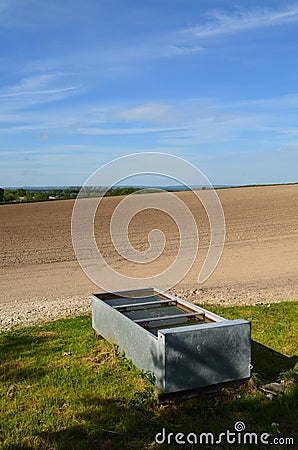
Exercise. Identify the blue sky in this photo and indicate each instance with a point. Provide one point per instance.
(84, 82)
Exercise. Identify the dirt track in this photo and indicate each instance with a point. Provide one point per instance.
(259, 262)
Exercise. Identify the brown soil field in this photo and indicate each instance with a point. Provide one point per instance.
(259, 261)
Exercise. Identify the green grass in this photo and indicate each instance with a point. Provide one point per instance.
(62, 389)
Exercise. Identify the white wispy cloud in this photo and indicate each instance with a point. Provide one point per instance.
(32, 91)
(34, 82)
(243, 20)
(152, 112)
(125, 131)
(287, 101)
(183, 122)
(46, 92)
(113, 58)
(36, 85)
(186, 41)
(114, 55)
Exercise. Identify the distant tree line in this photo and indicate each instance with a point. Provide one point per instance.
(40, 195)
(36, 195)
(121, 191)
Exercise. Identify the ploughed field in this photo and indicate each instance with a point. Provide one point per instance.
(259, 262)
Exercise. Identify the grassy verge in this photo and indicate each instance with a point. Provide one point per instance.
(62, 389)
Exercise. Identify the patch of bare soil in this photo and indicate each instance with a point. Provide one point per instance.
(41, 278)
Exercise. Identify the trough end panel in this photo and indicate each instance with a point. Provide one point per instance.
(207, 356)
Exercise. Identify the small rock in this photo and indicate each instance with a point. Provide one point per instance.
(273, 388)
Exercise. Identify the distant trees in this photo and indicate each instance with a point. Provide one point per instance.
(20, 192)
(9, 196)
(41, 195)
(13, 195)
(120, 191)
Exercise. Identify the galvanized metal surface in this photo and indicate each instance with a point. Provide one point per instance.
(182, 345)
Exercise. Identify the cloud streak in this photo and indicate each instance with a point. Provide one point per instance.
(126, 131)
(46, 92)
(107, 58)
(184, 122)
(30, 92)
(240, 21)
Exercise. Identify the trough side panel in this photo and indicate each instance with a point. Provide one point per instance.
(143, 348)
(209, 355)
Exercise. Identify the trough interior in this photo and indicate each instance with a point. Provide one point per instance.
(155, 312)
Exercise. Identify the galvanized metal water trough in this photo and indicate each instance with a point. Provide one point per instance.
(182, 345)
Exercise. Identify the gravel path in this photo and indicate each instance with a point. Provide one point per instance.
(14, 315)
(19, 315)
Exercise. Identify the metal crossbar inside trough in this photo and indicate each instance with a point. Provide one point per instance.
(182, 345)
